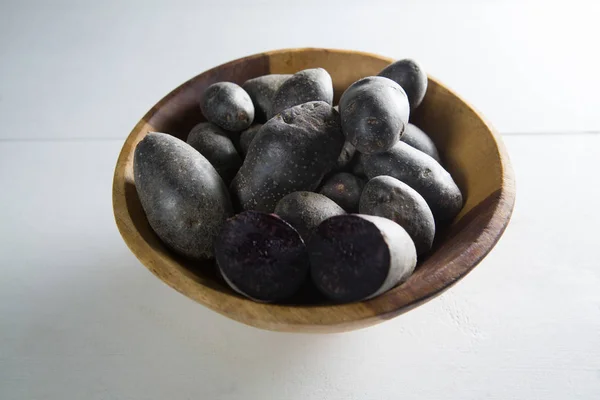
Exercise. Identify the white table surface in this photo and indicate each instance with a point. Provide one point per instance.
(81, 318)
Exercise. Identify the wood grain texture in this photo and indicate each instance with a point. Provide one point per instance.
(470, 149)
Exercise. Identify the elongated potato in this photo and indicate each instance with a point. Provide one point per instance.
(389, 198)
(420, 172)
(418, 139)
(183, 196)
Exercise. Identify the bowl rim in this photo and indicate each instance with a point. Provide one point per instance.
(309, 318)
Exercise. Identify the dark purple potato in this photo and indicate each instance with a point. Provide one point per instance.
(374, 113)
(216, 145)
(308, 85)
(306, 210)
(262, 91)
(247, 137)
(183, 196)
(411, 76)
(227, 105)
(292, 152)
(345, 189)
(420, 141)
(261, 256)
(420, 172)
(356, 166)
(346, 156)
(389, 198)
(356, 257)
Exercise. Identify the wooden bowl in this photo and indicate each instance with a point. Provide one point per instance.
(471, 151)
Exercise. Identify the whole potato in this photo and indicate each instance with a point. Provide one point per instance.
(374, 113)
(215, 144)
(313, 84)
(306, 210)
(291, 152)
(418, 139)
(227, 105)
(345, 189)
(262, 91)
(183, 196)
(420, 172)
(389, 198)
(411, 76)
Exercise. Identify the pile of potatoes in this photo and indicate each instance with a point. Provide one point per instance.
(284, 191)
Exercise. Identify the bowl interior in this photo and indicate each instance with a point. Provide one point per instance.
(470, 150)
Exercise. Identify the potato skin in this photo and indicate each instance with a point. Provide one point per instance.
(247, 137)
(184, 198)
(312, 84)
(306, 210)
(292, 152)
(374, 113)
(418, 139)
(216, 145)
(387, 197)
(344, 189)
(422, 173)
(411, 76)
(346, 156)
(262, 91)
(356, 166)
(227, 105)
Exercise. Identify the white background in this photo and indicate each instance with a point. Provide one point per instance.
(80, 318)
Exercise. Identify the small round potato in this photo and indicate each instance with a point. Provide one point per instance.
(306, 210)
(345, 189)
(227, 105)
